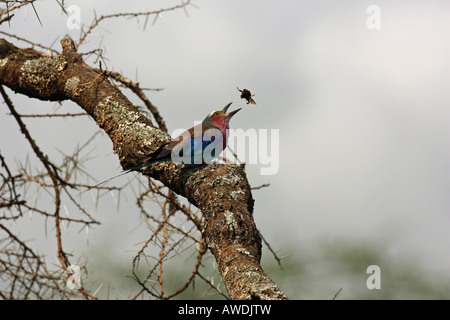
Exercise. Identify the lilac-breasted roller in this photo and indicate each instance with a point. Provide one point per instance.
(198, 145)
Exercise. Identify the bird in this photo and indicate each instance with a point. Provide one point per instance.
(195, 146)
(247, 95)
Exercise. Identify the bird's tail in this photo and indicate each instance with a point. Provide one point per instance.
(129, 170)
(121, 174)
(153, 159)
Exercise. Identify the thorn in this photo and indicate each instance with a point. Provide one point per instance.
(32, 4)
(62, 7)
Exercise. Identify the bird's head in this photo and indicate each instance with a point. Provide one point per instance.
(220, 117)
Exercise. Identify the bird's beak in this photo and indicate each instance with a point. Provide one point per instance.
(232, 113)
(224, 110)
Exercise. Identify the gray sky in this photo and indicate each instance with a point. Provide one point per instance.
(363, 115)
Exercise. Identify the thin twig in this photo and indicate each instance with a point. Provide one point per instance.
(34, 44)
(52, 115)
(128, 15)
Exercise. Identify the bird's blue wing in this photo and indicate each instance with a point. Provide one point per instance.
(198, 145)
(212, 144)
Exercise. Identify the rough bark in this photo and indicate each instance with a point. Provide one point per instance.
(221, 192)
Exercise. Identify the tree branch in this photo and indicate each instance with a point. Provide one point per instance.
(221, 192)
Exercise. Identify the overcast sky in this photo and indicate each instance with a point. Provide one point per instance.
(363, 115)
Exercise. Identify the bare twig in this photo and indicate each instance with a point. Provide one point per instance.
(33, 44)
(146, 14)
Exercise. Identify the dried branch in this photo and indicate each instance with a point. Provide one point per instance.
(57, 184)
(221, 192)
(53, 115)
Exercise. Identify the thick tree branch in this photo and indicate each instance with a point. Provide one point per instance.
(221, 192)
